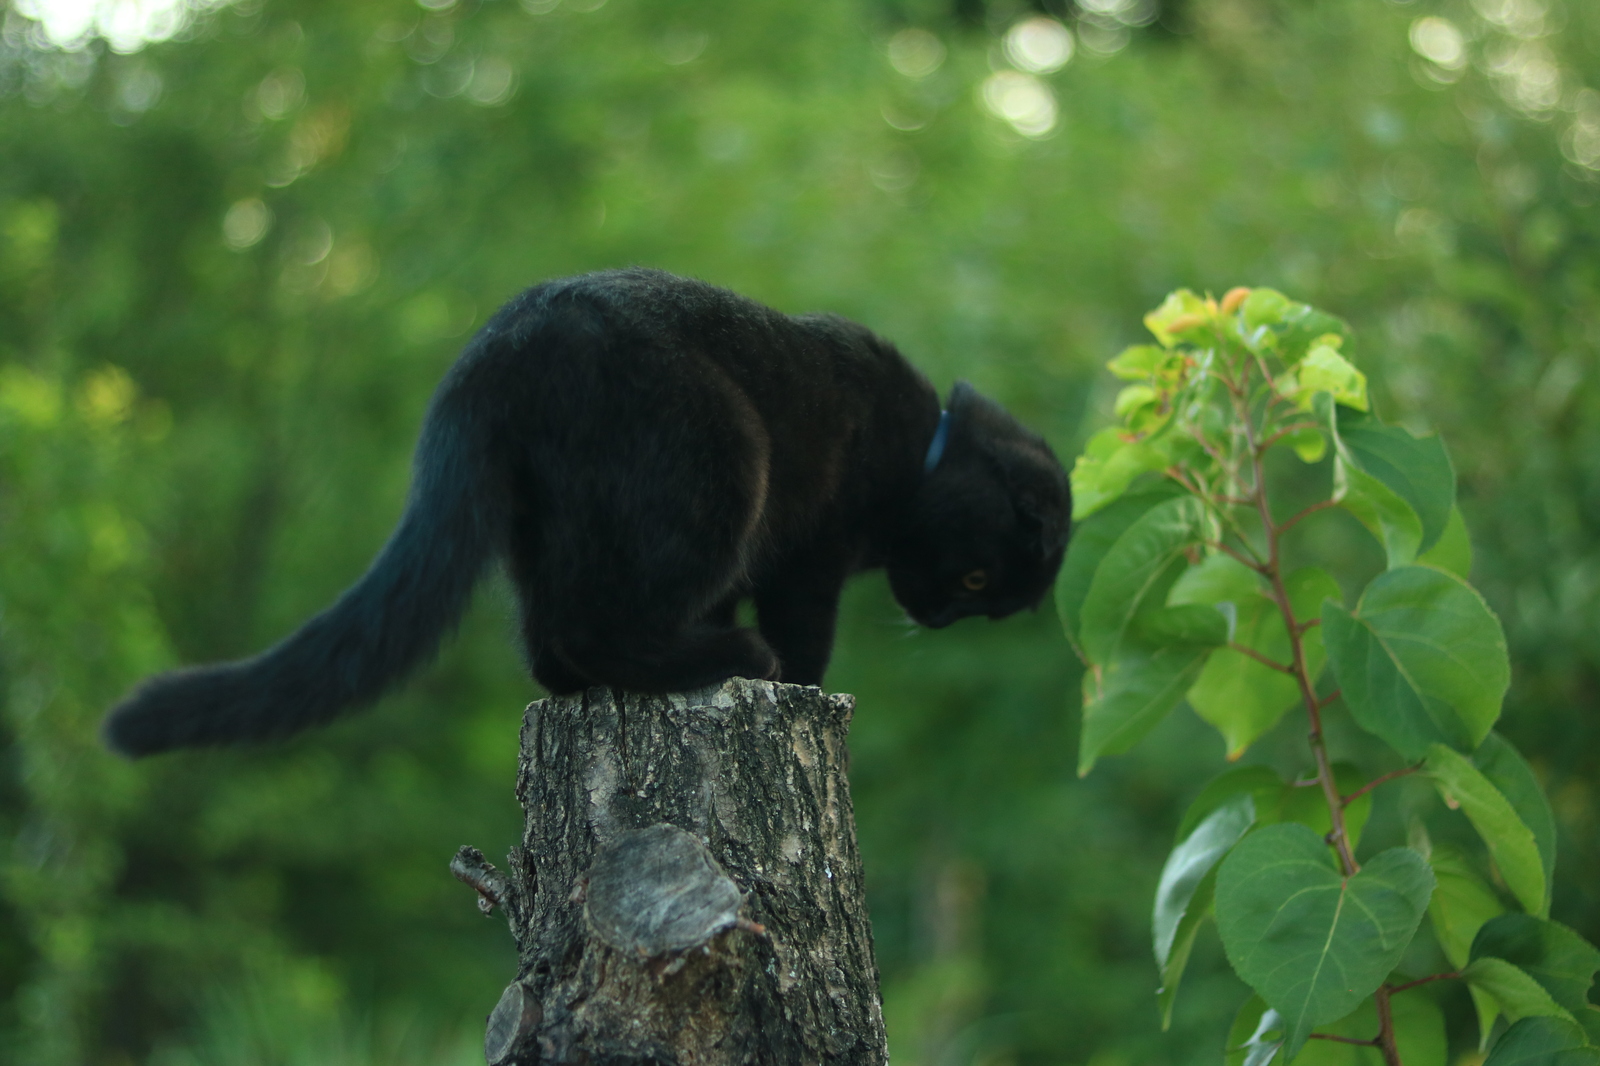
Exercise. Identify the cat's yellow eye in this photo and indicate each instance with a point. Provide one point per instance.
(975, 580)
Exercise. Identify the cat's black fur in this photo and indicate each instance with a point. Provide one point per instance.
(643, 451)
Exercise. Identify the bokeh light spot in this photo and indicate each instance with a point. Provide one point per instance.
(1038, 45)
(1438, 41)
(916, 53)
(1021, 100)
(246, 222)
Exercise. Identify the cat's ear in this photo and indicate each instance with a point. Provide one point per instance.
(1032, 474)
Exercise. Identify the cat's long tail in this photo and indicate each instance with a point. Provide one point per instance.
(388, 623)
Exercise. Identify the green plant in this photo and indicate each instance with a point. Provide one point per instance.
(1176, 586)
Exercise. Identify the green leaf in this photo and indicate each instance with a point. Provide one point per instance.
(1312, 943)
(1543, 1041)
(1419, 1035)
(1194, 915)
(1383, 512)
(1304, 327)
(1462, 901)
(1511, 842)
(1180, 901)
(1515, 992)
(1307, 805)
(1417, 469)
(1563, 962)
(1091, 540)
(1402, 488)
(1259, 783)
(1421, 661)
(1255, 1036)
(1190, 624)
(1453, 552)
(1135, 573)
(1125, 700)
(1508, 772)
(1238, 695)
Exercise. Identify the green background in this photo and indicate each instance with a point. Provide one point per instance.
(202, 443)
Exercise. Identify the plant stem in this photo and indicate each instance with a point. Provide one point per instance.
(1271, 664)
(1375, 782)
(1339, 837)
(1451, 976)
(1273, 571)
(1344, 1039)
(1386, 1044)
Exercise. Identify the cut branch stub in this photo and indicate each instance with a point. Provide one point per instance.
(658, 890)
(510, 1024)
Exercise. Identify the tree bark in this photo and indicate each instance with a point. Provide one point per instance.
(688, 889)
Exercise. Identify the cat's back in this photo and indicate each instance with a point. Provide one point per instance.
(618, 336)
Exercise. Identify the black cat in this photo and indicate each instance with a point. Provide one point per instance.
(643, 451)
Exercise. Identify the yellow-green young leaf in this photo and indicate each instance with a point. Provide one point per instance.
(1183, 897)
(1124, 700)
(1422, 660)
(1132, 398)
(1462, 902)
(1309, 444)
(1264, 307)
(1325, 370)
(1108, 465)
(1139, 363)
(1179, 312)
(1312, 943)
(1453, 552)
(1543, 1041)
(1510, 841)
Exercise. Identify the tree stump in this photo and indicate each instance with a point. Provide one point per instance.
(688, 888)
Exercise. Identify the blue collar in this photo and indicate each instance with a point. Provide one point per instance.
(941, 436)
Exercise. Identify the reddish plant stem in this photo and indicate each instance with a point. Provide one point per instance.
(1286, 431)
(1386, 1042)
(1344, 1039)
(1339, 838)
(1271, 664)
(1375, 782)
(1451, 976)
(1308, 512)
(1259, 568)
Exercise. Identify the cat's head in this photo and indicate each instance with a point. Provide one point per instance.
(989, 523)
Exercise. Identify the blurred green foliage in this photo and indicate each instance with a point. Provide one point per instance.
(233, 264)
